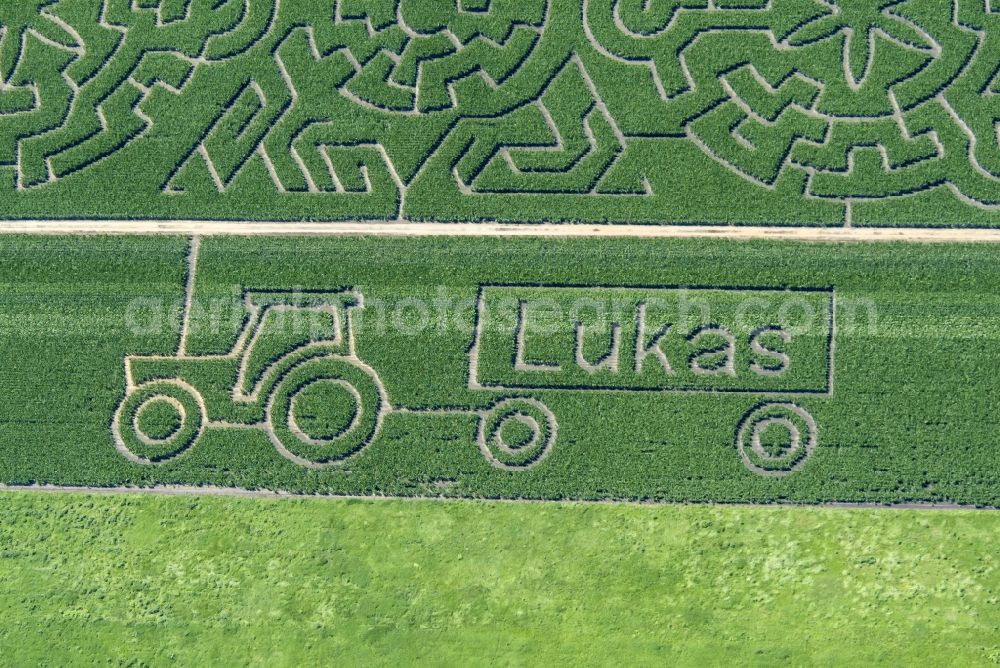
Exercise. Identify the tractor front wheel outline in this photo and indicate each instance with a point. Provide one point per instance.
(294, 444)
(140, 448)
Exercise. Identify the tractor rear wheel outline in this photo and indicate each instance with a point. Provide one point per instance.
(530, 413)
(140, 448)
(308, 451)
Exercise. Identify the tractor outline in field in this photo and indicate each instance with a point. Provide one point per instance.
(275, 386)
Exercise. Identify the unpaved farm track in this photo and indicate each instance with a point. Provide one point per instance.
(414, 229)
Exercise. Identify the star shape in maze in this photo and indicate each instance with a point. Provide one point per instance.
(860, 21)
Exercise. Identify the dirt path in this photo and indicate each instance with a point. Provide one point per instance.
(409, 229)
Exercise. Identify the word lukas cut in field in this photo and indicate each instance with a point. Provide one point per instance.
(654, 338)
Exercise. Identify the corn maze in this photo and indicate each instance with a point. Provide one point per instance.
(819, 112)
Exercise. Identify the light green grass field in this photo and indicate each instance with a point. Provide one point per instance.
(144, 580)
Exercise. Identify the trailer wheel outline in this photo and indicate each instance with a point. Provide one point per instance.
(802, 430)
(532, 413)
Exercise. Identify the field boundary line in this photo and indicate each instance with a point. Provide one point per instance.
(497, 229)
(240, 492)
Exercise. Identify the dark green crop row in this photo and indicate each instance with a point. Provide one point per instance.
(612, 368)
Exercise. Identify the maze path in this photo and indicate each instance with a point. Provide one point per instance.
(829, 112)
